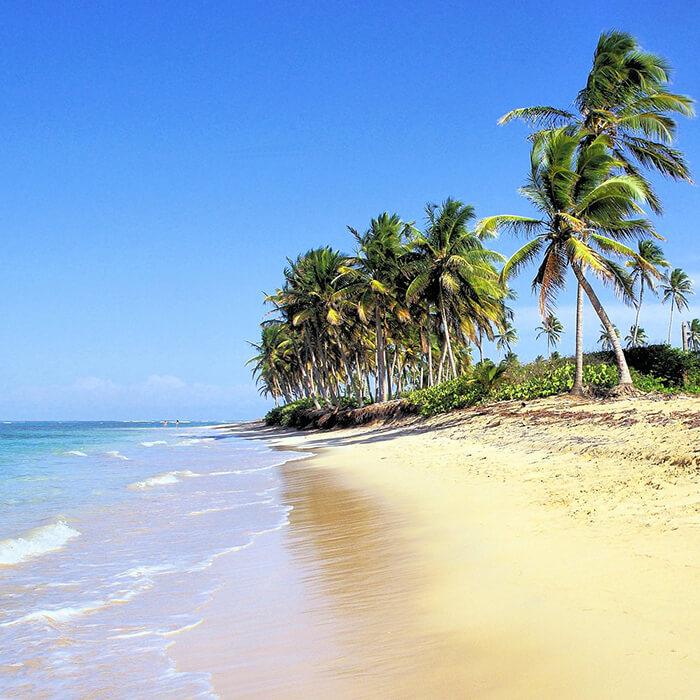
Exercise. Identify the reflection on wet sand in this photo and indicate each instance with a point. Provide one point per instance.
(330, 606)
(360, 563)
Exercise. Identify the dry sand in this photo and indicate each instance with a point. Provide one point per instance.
(548, 550)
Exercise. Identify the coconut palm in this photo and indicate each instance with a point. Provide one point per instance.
(636, 338)
(552, 329)
(606, 339)
(506, 337)
(646, 275)
(586, 211)
(694, 334)
(626, 97)
(273, 362)
(373, 278)
(676, 288)
(453, 272)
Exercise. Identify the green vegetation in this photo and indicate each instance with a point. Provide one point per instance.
(405, 313)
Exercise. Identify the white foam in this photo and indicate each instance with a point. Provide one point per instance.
(77, 453)
(162, 479)
(115, 455)
(193, 441)
(34, 543)
(154, 443)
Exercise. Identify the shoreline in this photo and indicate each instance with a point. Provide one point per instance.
(557, 544)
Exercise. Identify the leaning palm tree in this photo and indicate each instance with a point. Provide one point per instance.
(585, 214)
(637, 337)
(676, 288)
(694, 334)
(646, 276)
(552, 329)
(626, 97)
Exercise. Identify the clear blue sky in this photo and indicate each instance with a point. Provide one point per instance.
(160, 161)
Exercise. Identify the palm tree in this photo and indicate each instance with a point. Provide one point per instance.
(646, 275)
(552, 329)
(677, 287)
(605, 339)
(694, 334)
(636, 338)
(585, 213)
(627, 98)
(373, 278)
(506, 338)
(273, 362)
(453, 272)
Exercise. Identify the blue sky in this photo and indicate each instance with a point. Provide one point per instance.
(161, 160)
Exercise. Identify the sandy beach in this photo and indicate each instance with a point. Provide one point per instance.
(547, 550)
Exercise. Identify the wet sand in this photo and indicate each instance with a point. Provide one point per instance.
(546, 551)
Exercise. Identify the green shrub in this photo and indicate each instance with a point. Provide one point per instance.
(665, 362)
(286, 415)
(446, 396)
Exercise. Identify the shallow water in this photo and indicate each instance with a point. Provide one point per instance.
(108, 533)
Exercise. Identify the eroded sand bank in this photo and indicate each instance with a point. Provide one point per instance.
(550, 550)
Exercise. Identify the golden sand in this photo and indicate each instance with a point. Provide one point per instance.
(548, 550)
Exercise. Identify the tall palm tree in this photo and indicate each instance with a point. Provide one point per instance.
(373, 277)
(586, 211)
(552, 329)
(646, 275)
(637, 337)
(694, 334)
(453, 271)
(676, 288)
(627, 98)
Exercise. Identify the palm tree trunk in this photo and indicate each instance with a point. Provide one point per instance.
(577, 388)
(443, 355)
(446, 331)
(360, 398)
(639, 308)
(670, 324)
(381, 358)
(431, 378)
(624, 382)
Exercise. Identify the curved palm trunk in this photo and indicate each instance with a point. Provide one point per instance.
(670, 324)
(639, 308)
(577, 388)
(625, 379)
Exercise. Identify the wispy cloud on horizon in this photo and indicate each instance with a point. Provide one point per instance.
(157, 396)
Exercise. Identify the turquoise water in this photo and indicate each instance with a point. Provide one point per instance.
(107, 531)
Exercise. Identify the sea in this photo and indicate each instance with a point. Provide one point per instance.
(107, 531)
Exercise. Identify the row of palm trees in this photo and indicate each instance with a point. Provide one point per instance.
(406, 309)
(403, 312)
